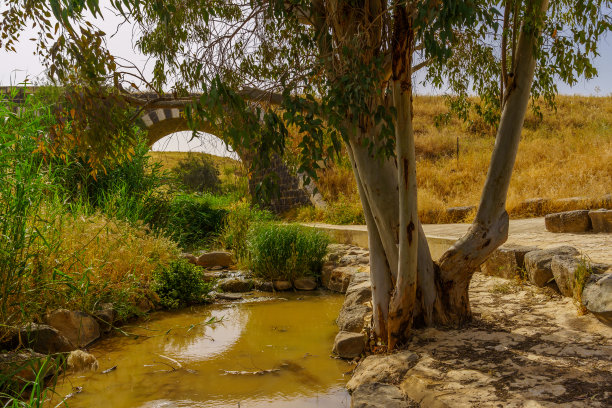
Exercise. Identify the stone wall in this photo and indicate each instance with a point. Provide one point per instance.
(290, 193)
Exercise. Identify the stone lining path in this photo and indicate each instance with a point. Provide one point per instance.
(532, 232)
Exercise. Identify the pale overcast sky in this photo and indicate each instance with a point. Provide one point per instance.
(16, 67)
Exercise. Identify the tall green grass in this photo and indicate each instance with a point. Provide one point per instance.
(193, 221)
(286, 251)
(68, 239)
(241, 218)
(24, 187)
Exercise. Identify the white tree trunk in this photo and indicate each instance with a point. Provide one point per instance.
(490, 228)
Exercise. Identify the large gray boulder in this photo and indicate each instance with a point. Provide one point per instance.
(506, 261)
(235, 285)
(356, 307)
(564, 269)
(601, 220)
(42, 338)
(78, 327)
(568, 221)
(537, 263)
(349, 345)
(379, 395)
(218, 258)
(597, 297)
(337, 278)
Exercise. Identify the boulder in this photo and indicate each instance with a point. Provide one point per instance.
(282, 285)
(106, 317)
(354, 258)
(534, 206)
(601, 220)
(78, 327)
(264, 286)
(568, 221)
(25, 365)
(336, 251)
(356, 309)
(79, 360)
(218, 258)
(337, 278)
(305, 283)
(389, 368)
(537, 263)
(190, 258)
(378, 395)
(564, 270)
(353, 318)
(42, 338)
(235, 285)
(597, 297)
(349, 344)
(506, 261)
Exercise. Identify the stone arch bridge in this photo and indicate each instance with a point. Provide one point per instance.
(162, 122)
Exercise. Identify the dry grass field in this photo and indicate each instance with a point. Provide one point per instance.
(566, 154)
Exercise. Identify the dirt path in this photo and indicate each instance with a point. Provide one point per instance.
(526, 347)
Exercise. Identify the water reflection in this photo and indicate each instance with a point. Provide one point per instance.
(262, 354)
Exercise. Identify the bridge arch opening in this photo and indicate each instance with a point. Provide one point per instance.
(183, 141)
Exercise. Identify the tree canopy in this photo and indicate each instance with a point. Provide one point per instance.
(342, 73)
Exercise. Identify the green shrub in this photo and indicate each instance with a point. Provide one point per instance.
(198, 173)
(180, 284)
(281, 251)
(240, 219)
(194, 221)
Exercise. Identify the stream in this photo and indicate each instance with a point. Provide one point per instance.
(264, 351)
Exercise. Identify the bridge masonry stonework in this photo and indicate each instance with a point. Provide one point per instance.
(160, 123)
(291, 192)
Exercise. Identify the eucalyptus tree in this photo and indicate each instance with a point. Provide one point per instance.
(341, 73)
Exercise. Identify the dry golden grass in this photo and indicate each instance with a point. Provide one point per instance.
(84, 260)
(567, 154)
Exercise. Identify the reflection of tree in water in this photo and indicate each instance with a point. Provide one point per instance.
(202, 341)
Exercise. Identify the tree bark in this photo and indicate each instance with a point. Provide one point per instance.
(403, 299)
(380, 272)
(490, 228)
(433, 293)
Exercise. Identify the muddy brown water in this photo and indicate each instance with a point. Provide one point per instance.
(264, 352)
